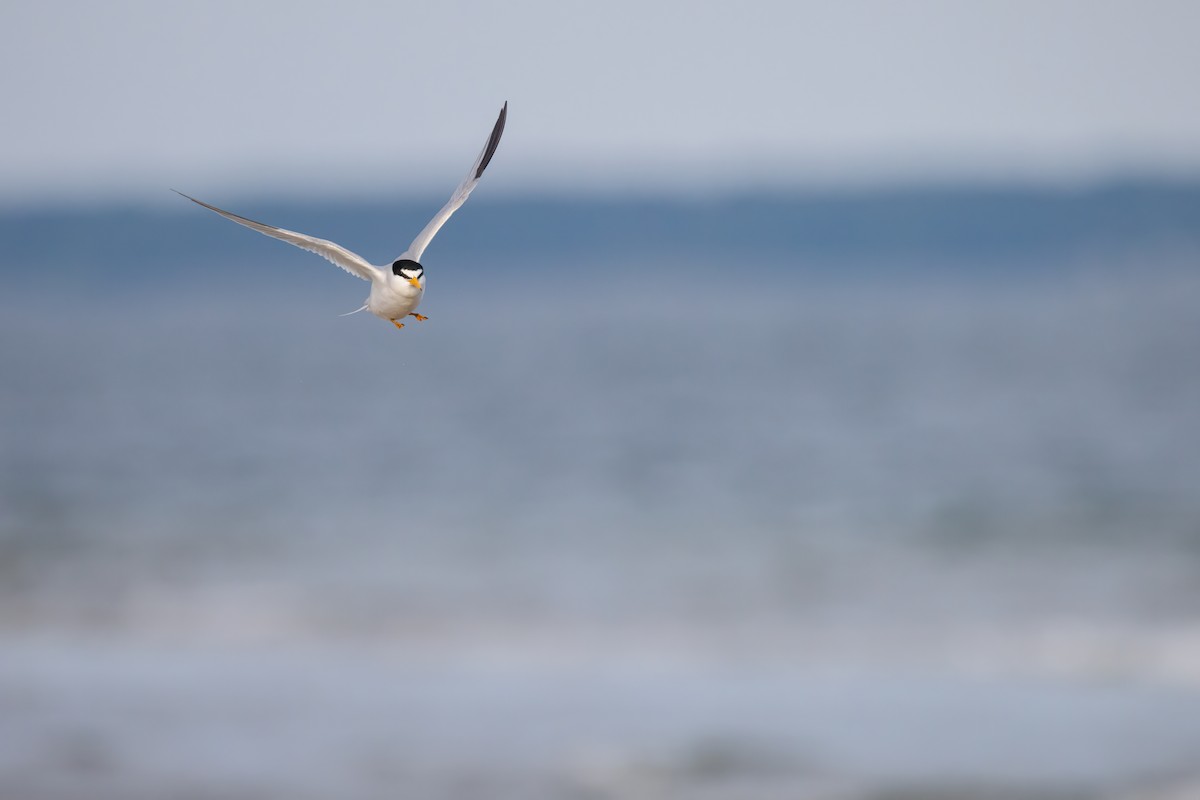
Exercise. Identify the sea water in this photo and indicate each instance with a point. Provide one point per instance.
(654, 525)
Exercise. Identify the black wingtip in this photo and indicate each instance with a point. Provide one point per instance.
(194, 200)
(188, 197)
(493, 141)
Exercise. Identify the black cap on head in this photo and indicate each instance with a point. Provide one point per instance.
(406, 264)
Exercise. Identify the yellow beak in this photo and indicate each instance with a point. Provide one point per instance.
(415, 282)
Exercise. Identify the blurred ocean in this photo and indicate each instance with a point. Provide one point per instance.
(855, 495)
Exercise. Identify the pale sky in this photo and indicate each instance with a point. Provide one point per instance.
(123, 98)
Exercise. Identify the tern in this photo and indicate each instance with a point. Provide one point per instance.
(396, 290)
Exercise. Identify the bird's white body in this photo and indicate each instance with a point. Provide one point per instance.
(393, 297)
(396, 288)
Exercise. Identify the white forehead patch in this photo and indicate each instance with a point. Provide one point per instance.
(410, 273)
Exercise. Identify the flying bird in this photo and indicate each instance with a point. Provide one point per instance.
(396, 289)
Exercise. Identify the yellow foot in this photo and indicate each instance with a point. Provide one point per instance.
(398, 325)
(420, 317)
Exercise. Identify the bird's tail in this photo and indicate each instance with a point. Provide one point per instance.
(355, 311)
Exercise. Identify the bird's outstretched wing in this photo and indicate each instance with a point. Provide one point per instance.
(351, 262)
(461, 193)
